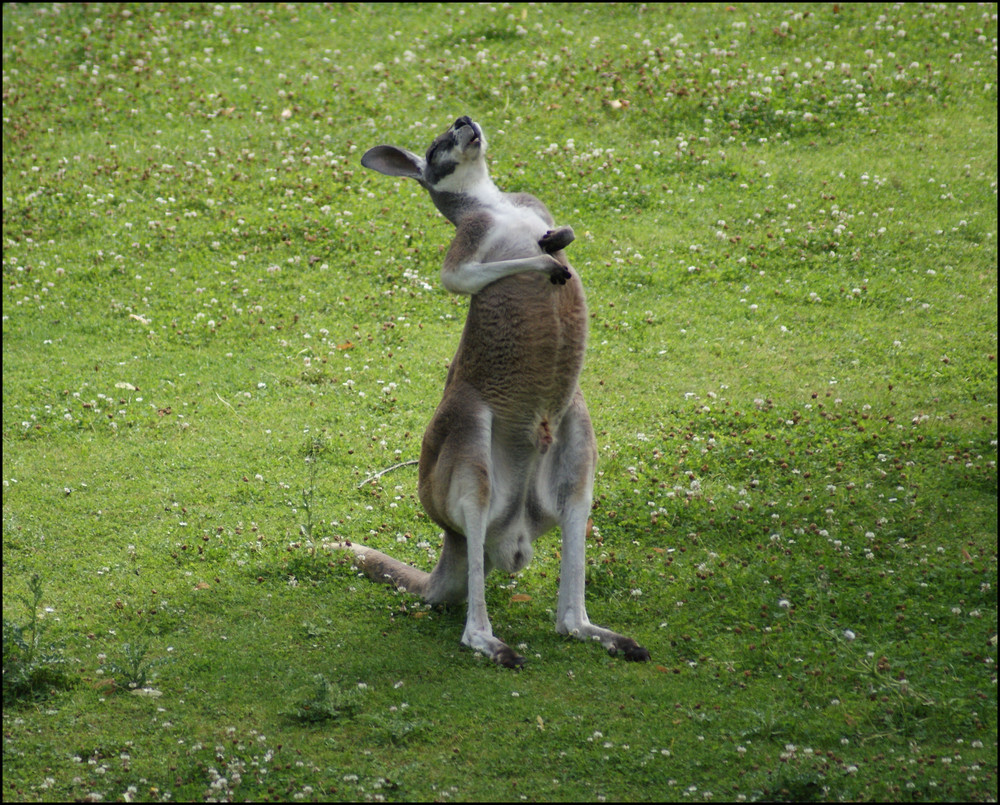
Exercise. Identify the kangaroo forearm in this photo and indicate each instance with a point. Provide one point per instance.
(471, 278)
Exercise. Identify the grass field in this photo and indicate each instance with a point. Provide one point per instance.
(217, 327)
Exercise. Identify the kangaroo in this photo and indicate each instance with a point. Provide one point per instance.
(510, 450)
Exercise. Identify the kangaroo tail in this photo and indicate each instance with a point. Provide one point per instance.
(384, 569)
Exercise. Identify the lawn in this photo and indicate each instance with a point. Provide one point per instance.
(219, 329)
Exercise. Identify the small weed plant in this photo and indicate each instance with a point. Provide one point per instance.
(32, 668)
(133, 669)
(326, 701)
(314, 452)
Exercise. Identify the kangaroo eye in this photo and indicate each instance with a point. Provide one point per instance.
(434, 151)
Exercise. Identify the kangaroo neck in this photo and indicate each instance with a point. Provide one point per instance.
(454, 204)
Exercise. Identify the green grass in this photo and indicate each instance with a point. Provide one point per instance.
(217, 325)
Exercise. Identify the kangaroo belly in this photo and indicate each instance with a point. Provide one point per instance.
(523, 347)
(518, 513)
(515, 523)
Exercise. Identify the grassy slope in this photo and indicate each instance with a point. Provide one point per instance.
(787, 228)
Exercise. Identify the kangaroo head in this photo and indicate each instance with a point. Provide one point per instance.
(454, 165)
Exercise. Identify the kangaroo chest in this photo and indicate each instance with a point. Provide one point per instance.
(514, 231)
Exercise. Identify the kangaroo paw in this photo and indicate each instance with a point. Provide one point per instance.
(616, 644)
(556, 239)
(632, 651)
(560, 275)
(495, 649)
(508, 658)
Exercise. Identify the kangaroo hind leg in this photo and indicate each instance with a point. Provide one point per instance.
(449, 581)
(571, 492)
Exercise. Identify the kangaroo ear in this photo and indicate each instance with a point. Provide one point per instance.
(393, 161)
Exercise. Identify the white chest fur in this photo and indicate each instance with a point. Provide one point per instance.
(515, 232)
